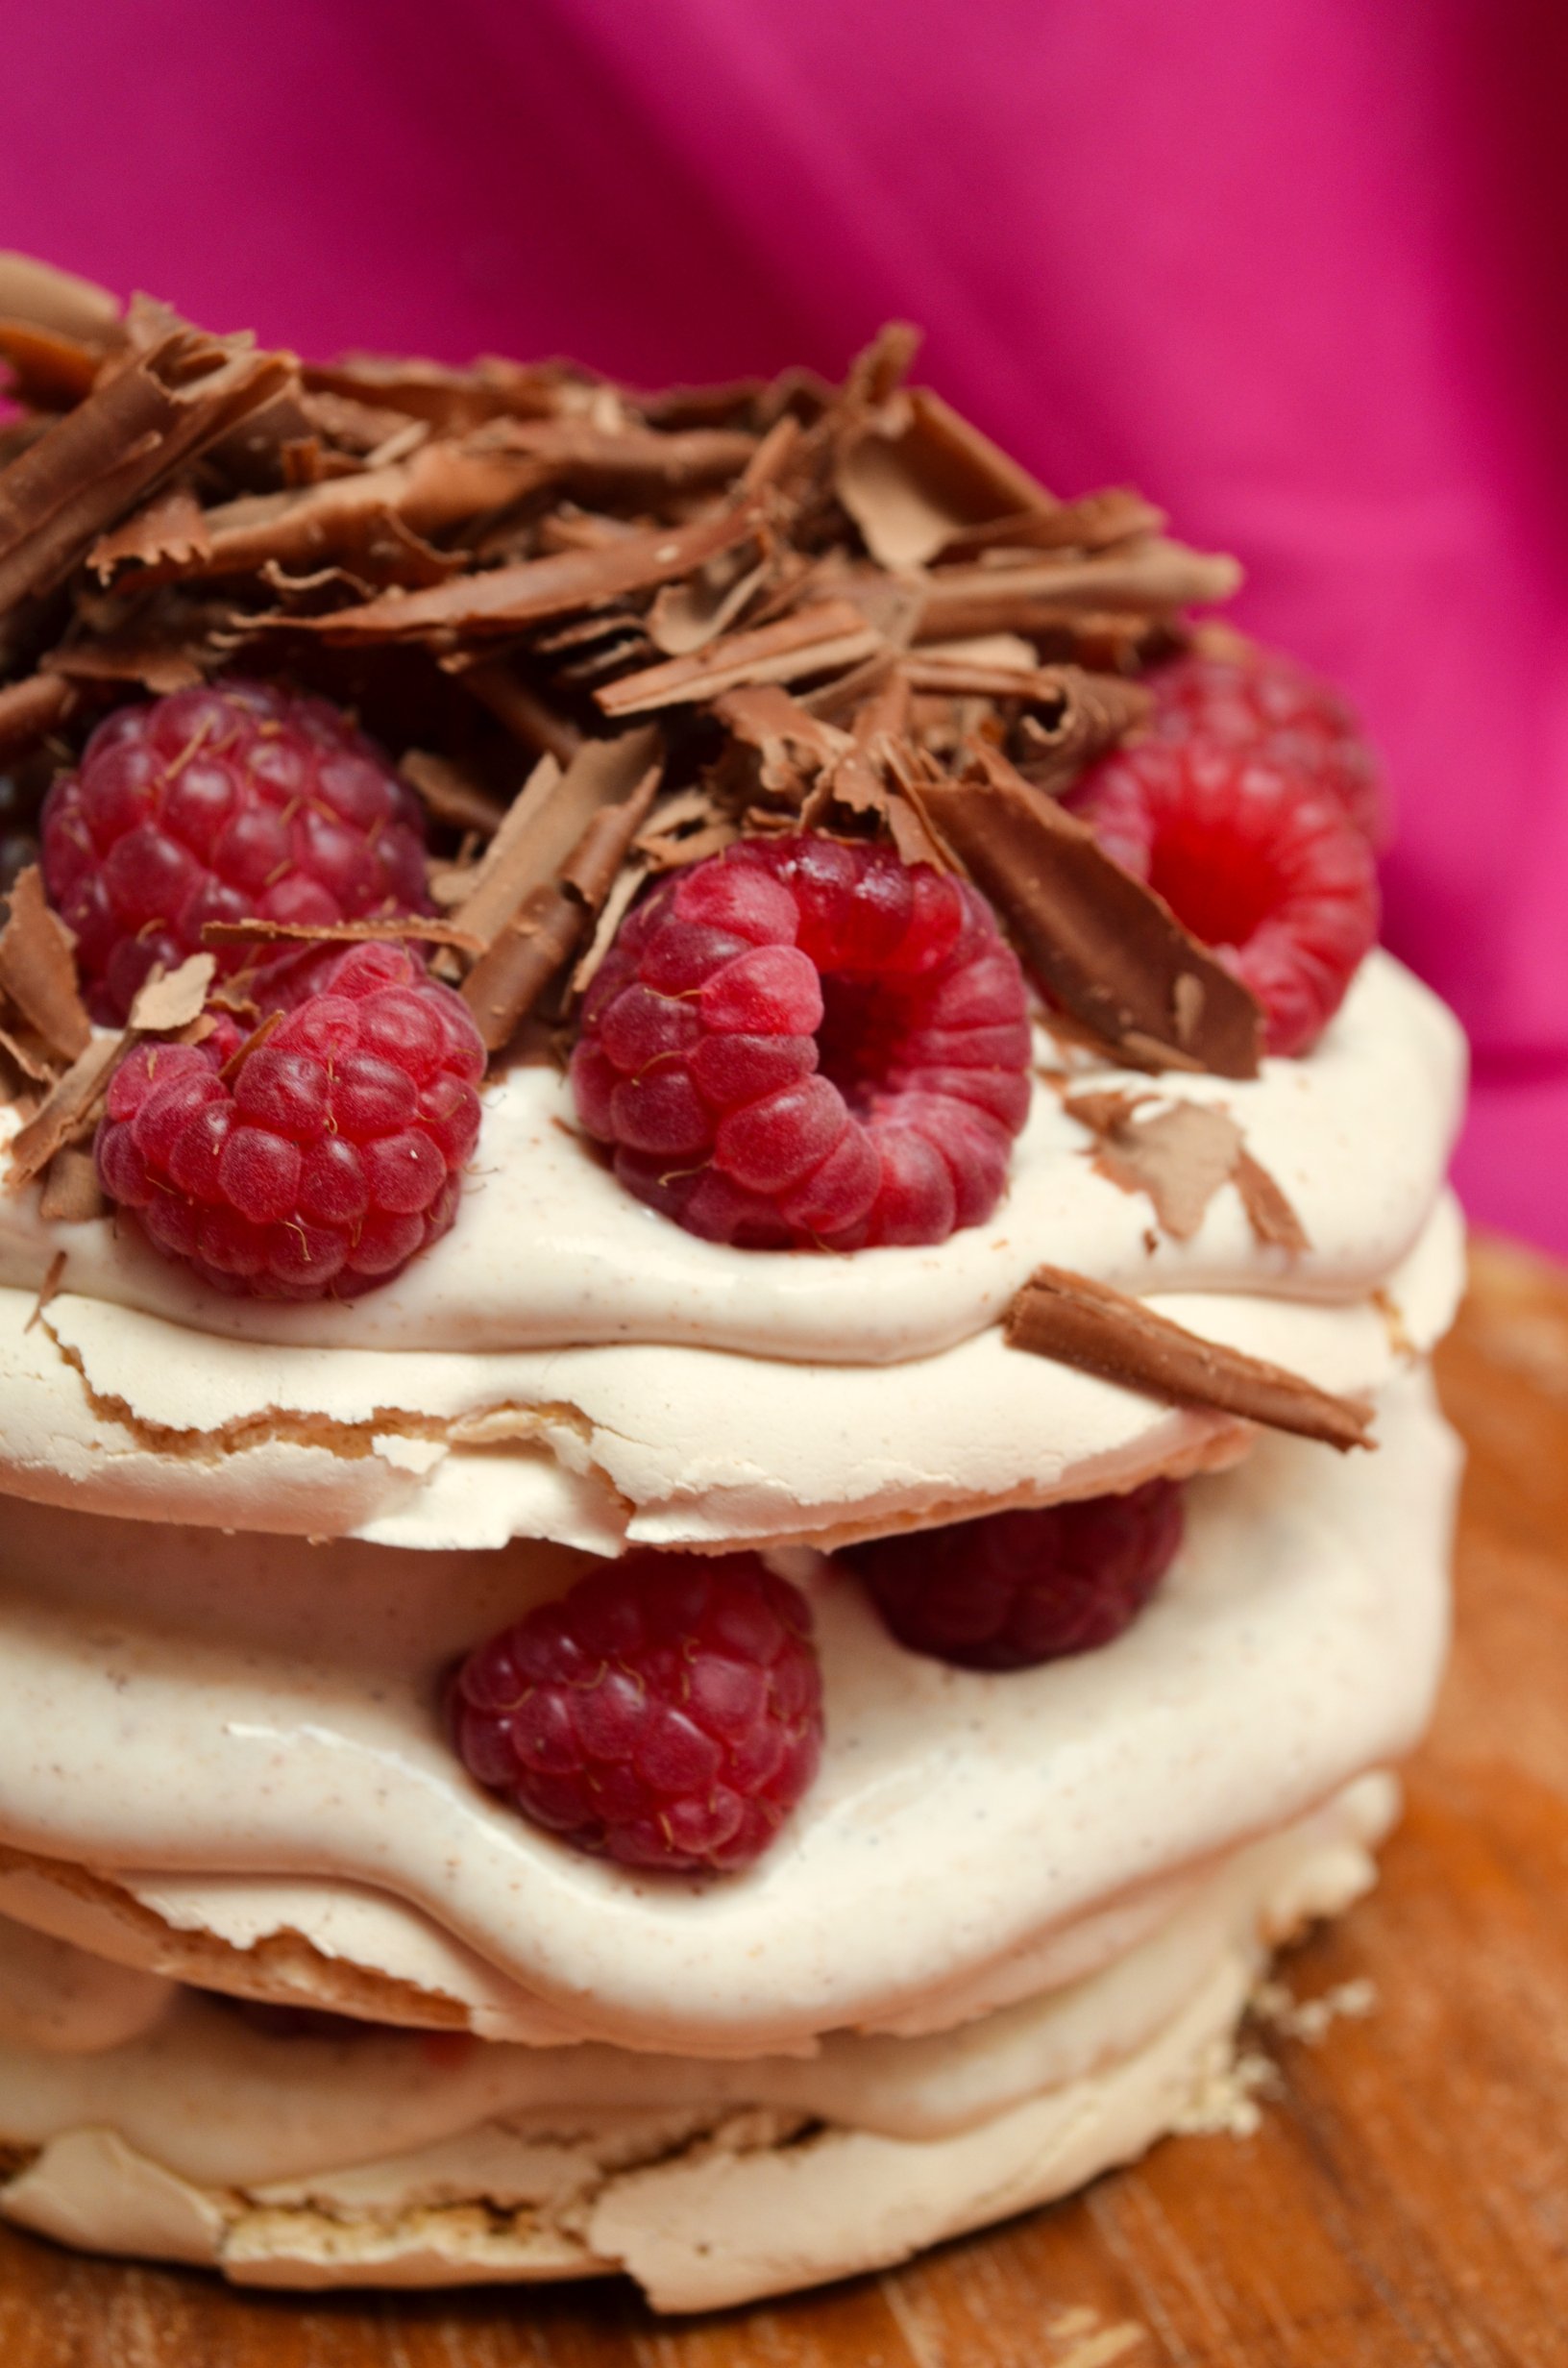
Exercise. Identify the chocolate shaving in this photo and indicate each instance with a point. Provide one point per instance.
(505, 598)
(451, 794)
(390, 929)
(159, 658)
(173, 527)
(685, 616)
(71, 1194)
(37, 970)
(144, 419)
(1113, 515)
(1101, 1331)
(31, 708)
(1154, 576)
(919, 474)
(68, 1111)
(167, 1001)
(550, 920)
(45, 297)
(816, 640)
(1101, 942)
(1269, 1212)
(1180, 1155)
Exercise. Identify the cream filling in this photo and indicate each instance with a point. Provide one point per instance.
(176, 1711)
(108, 1407)
(549, 1250)
(701, 2211)
(223, 2103)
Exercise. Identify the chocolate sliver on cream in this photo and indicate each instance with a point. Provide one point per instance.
(1180, 1155)
(1098, 1330)
(1104, 944)
(37, 970)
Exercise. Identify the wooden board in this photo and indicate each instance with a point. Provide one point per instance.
(1403, 2203)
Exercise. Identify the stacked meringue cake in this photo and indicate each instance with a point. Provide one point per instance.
(715, 1287)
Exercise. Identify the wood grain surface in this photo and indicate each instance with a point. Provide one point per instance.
(1403, 2203)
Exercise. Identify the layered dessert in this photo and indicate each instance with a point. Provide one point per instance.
(718, 1252)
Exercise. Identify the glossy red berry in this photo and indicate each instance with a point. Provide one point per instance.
(327, 1157)
(803, 1044)
(221, 803)
(1010, 1590)
(1262, 866)
(1260, 700)
(667, 1712)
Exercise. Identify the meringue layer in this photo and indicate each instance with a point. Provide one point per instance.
(247, 1740)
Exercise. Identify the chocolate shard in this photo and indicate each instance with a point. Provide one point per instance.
(824, 639)
(1153, 577)
(1269, 1209)
(503, 599)
(1115, 514)
(172, 529)
(47, 298)
(173, 1000)
(1180, 1155)
(72, 1195)
(172, 394)
(1097, 1330)
(553, 919)
(918, 474)
(37, 970)
(30, 709)
(1086, 716)
(451, 794)
(69, 1111)
(1110, 951)
(386, 929)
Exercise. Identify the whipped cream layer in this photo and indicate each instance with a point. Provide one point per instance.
(300, 2105)
(177, 1710)
(108, 1408)
(550, 1252)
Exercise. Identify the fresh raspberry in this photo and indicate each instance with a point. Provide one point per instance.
(1266, 868)
(1260, 700)
(803, 1043)
(331, 1152)
(667, 1712)
(221, 803)
(1010, 1590)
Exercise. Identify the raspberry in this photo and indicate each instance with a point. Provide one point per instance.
(1010, 1590)
(1260, 700)
(328, 1158)
(221, 803)
(804, 1043)
(1262, 866)
(667, 1712)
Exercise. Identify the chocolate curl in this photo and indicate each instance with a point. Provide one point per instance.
(548, 870)
(30, 709)
(37, 970)
(829, 636)
(919, 474)
(1110, 950)
(148, 414)
(1104, 1332)
(1153, 577)
(499, 600)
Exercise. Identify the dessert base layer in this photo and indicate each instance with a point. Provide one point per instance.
(143, 2119)
(225, 1758)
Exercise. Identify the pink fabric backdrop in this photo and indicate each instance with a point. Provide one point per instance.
(1296, 270)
